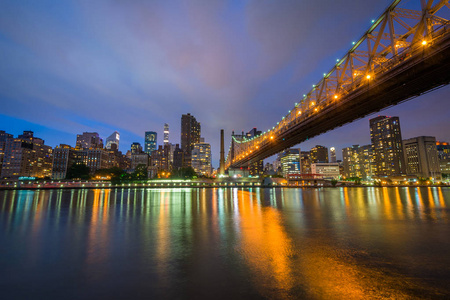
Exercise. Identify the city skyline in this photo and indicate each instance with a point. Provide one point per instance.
(240, 76)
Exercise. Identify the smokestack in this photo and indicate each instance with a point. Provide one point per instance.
(222, 154)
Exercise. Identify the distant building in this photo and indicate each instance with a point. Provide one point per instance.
(319, 154)
(139, 159)
(178, 155)
(3, 138)
(358, 161)
(136, 148)
(290, 162)
(386, 139)
(113, 139)
(26, 156)
(166, 134)
(201, 158)
(327, 170)
(190, 135)
(64, 156)
(256, 168)
(305, 162)
(332, 154)
(277, 164)
(151, 143)
(421, 157)
(89, 140)
(443, 149)
(161, 159)
(95, 159)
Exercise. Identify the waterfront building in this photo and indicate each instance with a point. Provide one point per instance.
(327, 170)
(26, 156)
(358, 162)
(421, 157)
(332, 154)
(64, 156)
(443, 149)
(305, 162)
(3, 138)
(136, 148)
(201, 158)
(190, 135)
(166, 134)
(113, 139)
(160, 159)
(277, 164)
(290, 162)
(386, 139)
(89, 140)
(151, 142)
(95, 159)
(117, 159)
(319, 154)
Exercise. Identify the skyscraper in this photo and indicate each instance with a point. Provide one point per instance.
(89, 140)
(319, 154)
(166, 134)
(290, 162)
(358, 161)
(332, 154)
(387, 146)
(136, 148)
(190, 134)
(113, 139)
(151, 143)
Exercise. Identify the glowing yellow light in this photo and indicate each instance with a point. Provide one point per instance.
(335, 96)
(299, 112)
(368, 76)
(424, 42)
(312, 103)
(315, 109)
(271, 137)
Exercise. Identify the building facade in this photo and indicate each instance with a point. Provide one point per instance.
(290, 162)
(305, 162)
(319, 154)
(421, 157)
(114, 138)
(358, 162)
(332, 154)
(166, 134)
(327, 170)
(3, 138)
(386, 139)
(190, 135)
(443, 149)
(151, 142)
(201, 158)
(26, 156)
(64, 156)
(89, 140)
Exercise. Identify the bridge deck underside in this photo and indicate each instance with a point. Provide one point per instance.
(424, 71)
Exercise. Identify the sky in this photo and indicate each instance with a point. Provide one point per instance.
(131, 66)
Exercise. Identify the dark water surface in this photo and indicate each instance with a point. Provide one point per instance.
(333, 243)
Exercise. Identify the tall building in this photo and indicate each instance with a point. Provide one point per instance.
(358, 161)
(190, 134)
(3, 138)
(201, 158)
(136, 148)
(421, 157)
(443, 149)
(386, 139)
(113, 139)
(305, 162)
(166, 134)
(95, 159)
(89, 140)
(178, 157)
(332, 154)
(319, 154)
(151, 142)
(26, 156)
(290, 162)
(64, 156)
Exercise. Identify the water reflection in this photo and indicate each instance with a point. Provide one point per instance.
(343, 243)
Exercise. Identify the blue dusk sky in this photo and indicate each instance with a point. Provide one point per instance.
(131, 66)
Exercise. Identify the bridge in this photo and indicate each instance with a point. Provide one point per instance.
(404, 54)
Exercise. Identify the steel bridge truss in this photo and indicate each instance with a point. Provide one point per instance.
(392, 40)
